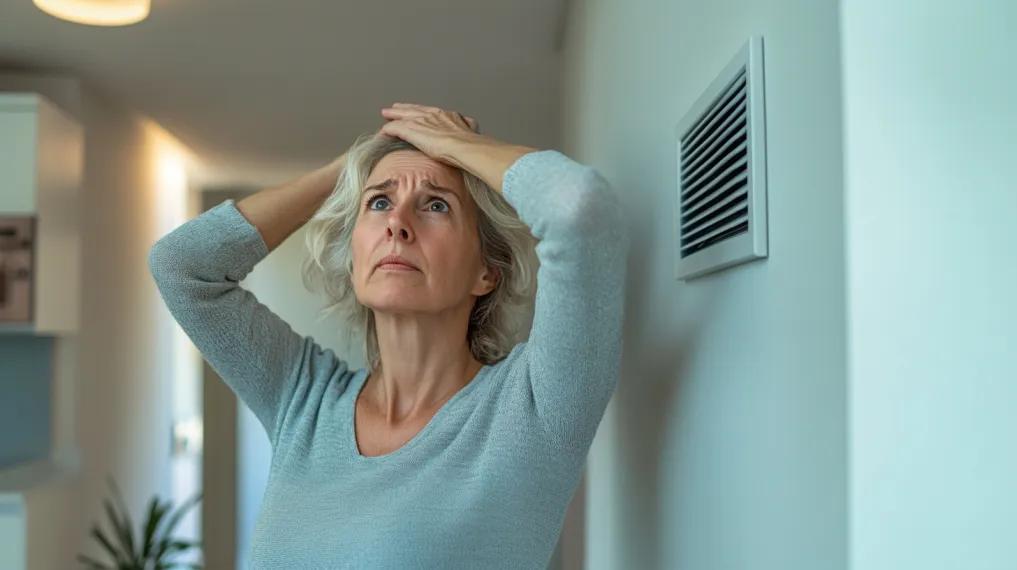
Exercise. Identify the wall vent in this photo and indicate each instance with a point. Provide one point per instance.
(720, 211)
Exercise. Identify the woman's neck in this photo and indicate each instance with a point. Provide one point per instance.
(425, 358)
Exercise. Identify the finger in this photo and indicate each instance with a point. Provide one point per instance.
(470, 122)
(411, 114)
(401, 112)
(426, 108)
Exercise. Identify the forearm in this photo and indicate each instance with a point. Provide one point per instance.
(487, 158)
(279, 211)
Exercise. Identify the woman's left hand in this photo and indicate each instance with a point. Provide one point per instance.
(436, 132)
(451, 138)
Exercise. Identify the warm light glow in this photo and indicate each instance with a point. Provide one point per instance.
(171, 164)
(97, 12)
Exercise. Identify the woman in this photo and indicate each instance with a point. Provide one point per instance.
(458, 446)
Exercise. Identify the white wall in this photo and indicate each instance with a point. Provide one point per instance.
(931, 140)
(122, 357)
(724, 447)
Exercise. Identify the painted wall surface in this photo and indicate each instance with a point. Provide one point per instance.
(725, 445)
(930, 144)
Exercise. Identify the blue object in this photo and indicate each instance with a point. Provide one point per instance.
(26, 382)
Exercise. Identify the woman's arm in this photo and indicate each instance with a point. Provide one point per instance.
(198, 267)
(487, 158)
(573, 353)
(279, 211)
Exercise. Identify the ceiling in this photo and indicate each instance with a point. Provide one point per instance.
(263, 90)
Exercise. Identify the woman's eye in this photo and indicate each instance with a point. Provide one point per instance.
(439, 200)
(373, 200)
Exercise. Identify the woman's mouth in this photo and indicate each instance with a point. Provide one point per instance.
(396, 267)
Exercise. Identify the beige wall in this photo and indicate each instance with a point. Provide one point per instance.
(122, 358)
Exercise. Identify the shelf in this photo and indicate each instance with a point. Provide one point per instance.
(42, 158)
(58, 467)
(17, 328)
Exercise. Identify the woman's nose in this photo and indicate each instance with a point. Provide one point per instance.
(399, 223)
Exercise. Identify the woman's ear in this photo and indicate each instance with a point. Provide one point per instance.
(487, 282)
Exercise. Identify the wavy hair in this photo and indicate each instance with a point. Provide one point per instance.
(498, 320)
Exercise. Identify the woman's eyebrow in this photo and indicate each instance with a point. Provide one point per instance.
(427, 183)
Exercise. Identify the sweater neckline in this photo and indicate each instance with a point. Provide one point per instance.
(361, 381)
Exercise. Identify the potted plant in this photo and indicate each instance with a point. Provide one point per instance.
(154, 544)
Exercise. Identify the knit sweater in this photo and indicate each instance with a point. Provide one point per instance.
(487, 481)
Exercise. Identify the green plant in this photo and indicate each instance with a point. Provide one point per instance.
(154, 543)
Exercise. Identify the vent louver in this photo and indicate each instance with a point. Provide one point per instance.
(721, 207)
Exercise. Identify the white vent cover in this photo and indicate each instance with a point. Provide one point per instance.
(720, 211)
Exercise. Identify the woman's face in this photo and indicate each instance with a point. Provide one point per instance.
(435, 230)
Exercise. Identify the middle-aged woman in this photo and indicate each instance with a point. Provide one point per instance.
(462, 441)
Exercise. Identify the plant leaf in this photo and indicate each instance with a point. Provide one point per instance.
(157, 540)
(169, 547)
(179, 563)
(93, 564)
(175, 545)
(155, 513)
(118, 557)
(172, 523)
(128, 526)
(120, 532)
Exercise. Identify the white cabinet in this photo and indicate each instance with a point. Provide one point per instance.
(41, 164)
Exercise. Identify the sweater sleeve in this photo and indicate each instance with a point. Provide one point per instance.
(573, 353)
(197, 268)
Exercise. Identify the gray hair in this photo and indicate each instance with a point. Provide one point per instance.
(498, 319)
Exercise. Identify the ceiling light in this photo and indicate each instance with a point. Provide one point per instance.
(97, 12)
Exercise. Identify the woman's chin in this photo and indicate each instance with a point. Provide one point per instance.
(395, 302)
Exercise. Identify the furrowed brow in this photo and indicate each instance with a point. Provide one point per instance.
(427, 184)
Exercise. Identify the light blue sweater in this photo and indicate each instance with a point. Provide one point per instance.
(486, 483)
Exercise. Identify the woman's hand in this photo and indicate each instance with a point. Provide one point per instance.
(452, 138)
(431, 129)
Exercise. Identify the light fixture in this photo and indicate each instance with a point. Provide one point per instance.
(97, 12)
